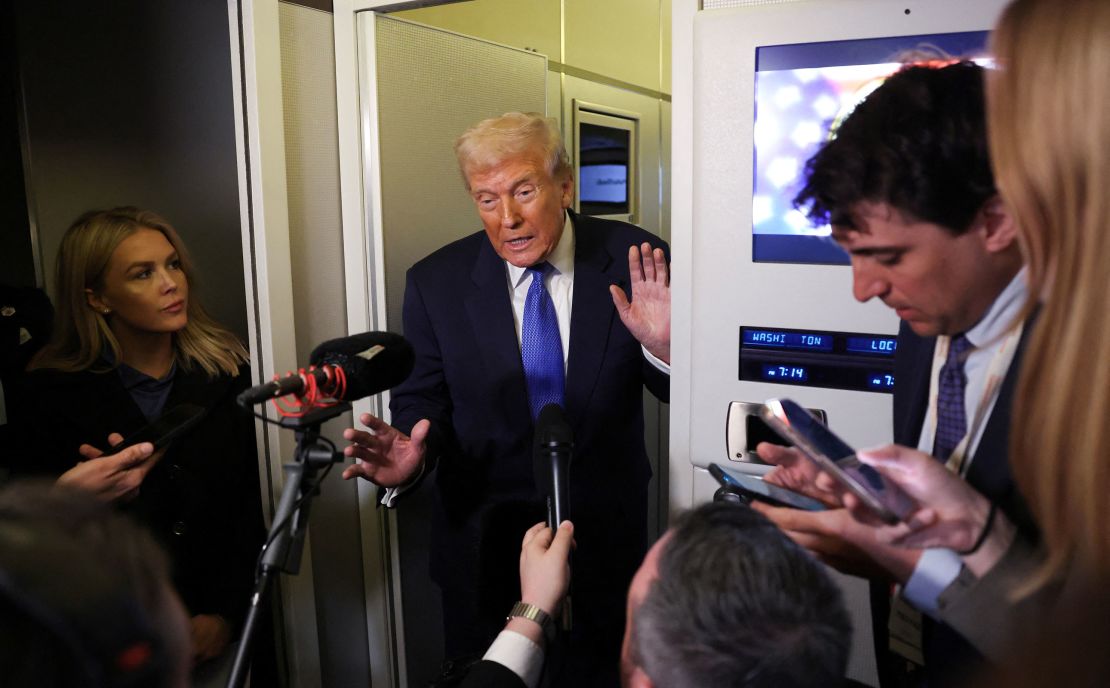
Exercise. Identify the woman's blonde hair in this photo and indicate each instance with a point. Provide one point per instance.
(1049, 127)
(497, 139)
(81, 334)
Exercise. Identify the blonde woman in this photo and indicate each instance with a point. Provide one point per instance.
(1050, 143)
(130, 342)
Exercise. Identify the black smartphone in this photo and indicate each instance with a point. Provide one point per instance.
(835, 457)
(752, 487)
(164, 428)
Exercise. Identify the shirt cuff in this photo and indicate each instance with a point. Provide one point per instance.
(518, 654)
(659, 363)
(391, 494)
(935, 571)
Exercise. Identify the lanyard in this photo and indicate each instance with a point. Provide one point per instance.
(959, 461)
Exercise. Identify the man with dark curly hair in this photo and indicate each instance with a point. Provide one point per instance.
(906, 184)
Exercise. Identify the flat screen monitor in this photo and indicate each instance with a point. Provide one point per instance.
(801, 92)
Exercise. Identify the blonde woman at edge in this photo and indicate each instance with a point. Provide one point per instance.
(1050, 143)
(132, 341)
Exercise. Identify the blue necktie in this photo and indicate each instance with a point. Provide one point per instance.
(541, 348)
(951, 415)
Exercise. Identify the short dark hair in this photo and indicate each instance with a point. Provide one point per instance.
(917, 143)
(85, 595)
(736, 603)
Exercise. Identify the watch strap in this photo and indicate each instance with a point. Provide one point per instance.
(537, 615)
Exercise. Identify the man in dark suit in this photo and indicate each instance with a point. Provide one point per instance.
(907, 186)
(533, 310)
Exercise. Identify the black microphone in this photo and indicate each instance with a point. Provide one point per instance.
(372, 362)
(551, 461)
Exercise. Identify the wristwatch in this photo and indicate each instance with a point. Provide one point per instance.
(539, 616)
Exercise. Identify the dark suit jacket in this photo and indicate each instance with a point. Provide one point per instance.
(948, 657)
(469, 381)
(201, 500)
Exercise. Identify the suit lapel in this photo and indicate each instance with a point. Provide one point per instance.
(591, 317)
(491, 315)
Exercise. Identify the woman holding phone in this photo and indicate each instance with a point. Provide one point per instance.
(132, 342)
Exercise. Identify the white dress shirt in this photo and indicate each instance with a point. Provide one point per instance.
(938, 567)
(518, 654)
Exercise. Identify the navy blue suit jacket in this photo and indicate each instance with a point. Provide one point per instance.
(468, 380)
(949, 659)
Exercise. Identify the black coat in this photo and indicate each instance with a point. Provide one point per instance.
(201, 500)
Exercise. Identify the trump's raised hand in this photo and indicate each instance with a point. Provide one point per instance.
(648, 315)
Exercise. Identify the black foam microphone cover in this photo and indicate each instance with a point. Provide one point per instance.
(373, 361)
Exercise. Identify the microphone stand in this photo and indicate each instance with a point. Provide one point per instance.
(285, 541)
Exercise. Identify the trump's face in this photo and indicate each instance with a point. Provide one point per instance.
(522, 207)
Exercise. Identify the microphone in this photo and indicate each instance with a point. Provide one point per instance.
(554, 449)
(371, 362)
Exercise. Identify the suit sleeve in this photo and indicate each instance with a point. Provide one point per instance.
(487, 673)
(657, 382)
(424, 394)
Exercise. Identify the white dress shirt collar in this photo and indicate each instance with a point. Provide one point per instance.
(1002, 313)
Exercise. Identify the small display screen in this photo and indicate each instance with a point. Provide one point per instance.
(784, 373)
(883, 346)
(815, 358)
(603, 183)
(880, 381)
(788, 340)
(802, 92)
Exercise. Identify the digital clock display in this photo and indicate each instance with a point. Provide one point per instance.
(788, 340)
(880, 381)
(884, 346)
(785, 373)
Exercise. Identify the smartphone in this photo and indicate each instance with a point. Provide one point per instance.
(753, 487)
(163, 429)
(835, 457)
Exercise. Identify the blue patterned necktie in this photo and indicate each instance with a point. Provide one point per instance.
(541, 348)
(951, 415)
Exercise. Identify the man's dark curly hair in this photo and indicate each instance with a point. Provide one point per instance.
(917, 143)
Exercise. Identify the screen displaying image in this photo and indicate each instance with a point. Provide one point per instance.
(603, 183)
(801, 92)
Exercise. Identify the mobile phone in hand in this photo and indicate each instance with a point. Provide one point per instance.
(751, 487)
(162, 430)
(835, 457)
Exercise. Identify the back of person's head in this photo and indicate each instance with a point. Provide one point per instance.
(1050, 137)
(737, 603)
(82, 334)
(85, 597)
(918, 143)
(513, 135)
